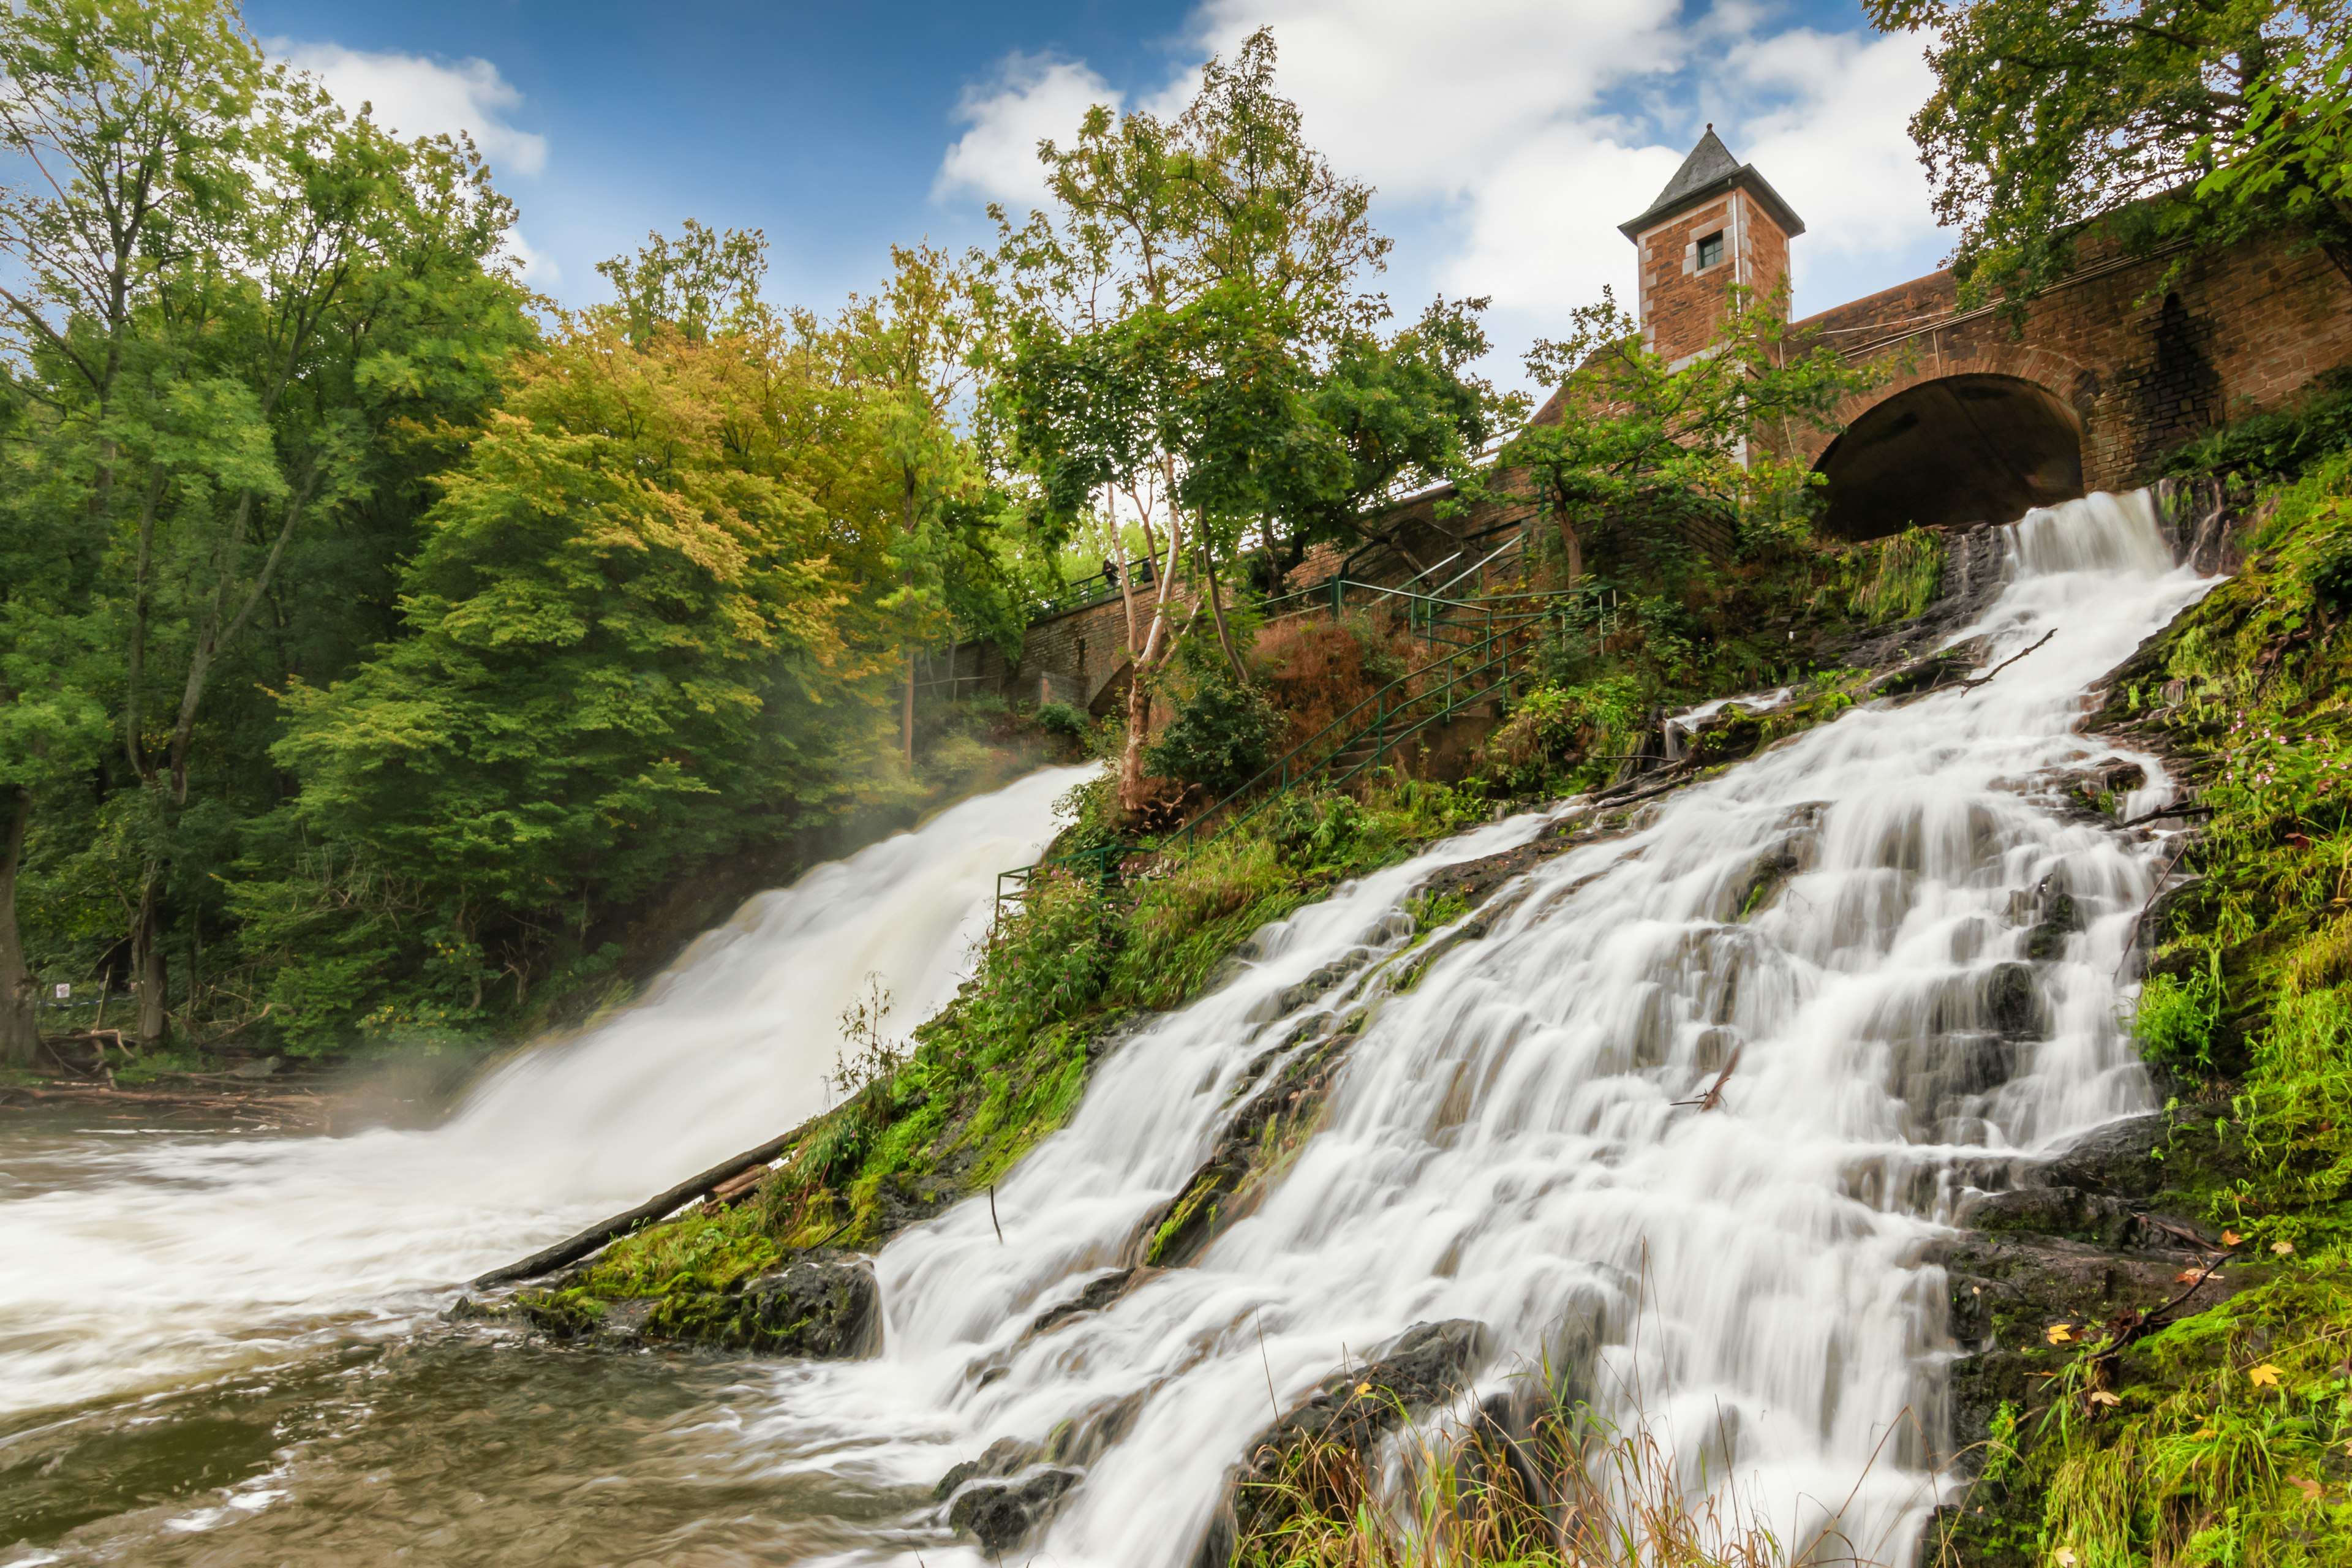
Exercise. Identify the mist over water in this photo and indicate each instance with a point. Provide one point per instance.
(135, 1263)
(1502, 1144)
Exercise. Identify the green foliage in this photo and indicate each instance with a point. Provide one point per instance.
(2200, 119)
(1891, 579)
(1060, 719)
(2276, 443)
(1646, 451)
(1550, 741)
(1224, 732)
(2175, 1016)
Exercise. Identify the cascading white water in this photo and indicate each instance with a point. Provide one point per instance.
(143, 1266)
(1503, 1143)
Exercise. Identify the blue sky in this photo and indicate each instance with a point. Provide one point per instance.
(1507, 137)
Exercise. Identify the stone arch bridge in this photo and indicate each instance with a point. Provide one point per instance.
(2110, 370)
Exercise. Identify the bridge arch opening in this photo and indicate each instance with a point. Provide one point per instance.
(1957, 450)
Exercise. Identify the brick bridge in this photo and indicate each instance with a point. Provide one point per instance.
(2109, 371)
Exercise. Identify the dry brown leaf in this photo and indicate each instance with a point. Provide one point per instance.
(2231, 1239)
(2310, 1490)
(2281, 1248)
(2101, 1396)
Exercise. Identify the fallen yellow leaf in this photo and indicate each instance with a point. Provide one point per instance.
(2282, 1248)
(2265, 1376)
(2065, 1557)
(2231, 1239)
(1363, 1389)
(2101, 1396)
(2060, 1333)
(2204, 1432)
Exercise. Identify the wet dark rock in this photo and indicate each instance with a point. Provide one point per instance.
(827, 1309)
(824, 1307)
(2060, 917)
(2067, 1212)
(2012, 1004)
(1946, 667)
(1097, 1296)
(2109, 1229)
(1002, 1514)
(1311, 1454)
(1005, 1456)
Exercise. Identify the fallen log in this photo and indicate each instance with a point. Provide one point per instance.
(573, 1248)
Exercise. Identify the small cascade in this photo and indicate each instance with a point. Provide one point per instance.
(1847, 918)
(163, 1258)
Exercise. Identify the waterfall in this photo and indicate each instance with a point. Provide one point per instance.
(1502, 1142)
(178, 1257)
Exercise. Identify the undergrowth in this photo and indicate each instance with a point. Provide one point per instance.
(2226, 1438)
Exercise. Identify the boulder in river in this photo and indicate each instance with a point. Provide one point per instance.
(1316, 1455)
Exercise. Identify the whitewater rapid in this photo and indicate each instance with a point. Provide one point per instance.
(143, 1263)
(1504, 1144)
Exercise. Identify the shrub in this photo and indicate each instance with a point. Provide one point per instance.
(1060, 719)
(1223, 734)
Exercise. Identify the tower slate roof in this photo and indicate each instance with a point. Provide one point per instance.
(1707, 173)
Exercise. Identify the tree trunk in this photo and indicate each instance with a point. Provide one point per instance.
(1574, 546)
(147, 970)
(1130, 757)
(20, 1034)
(1217, 613)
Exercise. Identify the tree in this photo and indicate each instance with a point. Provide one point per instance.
(1187, 344)
(1647, 448)
(239, 313)
(2168, 119)
(912, 349)
(649, 624)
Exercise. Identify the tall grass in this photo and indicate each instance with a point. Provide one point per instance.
(1577, 1492)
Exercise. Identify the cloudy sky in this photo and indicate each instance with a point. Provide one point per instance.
(1507, 138)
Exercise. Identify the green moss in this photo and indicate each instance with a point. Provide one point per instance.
(2223, 1439)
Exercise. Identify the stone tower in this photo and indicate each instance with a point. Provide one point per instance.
(1716, 224)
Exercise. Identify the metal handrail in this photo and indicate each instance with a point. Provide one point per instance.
(1480, 567)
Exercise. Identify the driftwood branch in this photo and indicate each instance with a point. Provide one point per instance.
(1713, 1098)
(573, 1248)
(2161, 812)
(1973, 684)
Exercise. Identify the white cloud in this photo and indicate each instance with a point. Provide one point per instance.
(1033, 98)
(1836, 140)
(1508, 138)
(418, 97)
(538, 269)
(1425, 100)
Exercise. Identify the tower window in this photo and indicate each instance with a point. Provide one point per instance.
(1711, 251)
